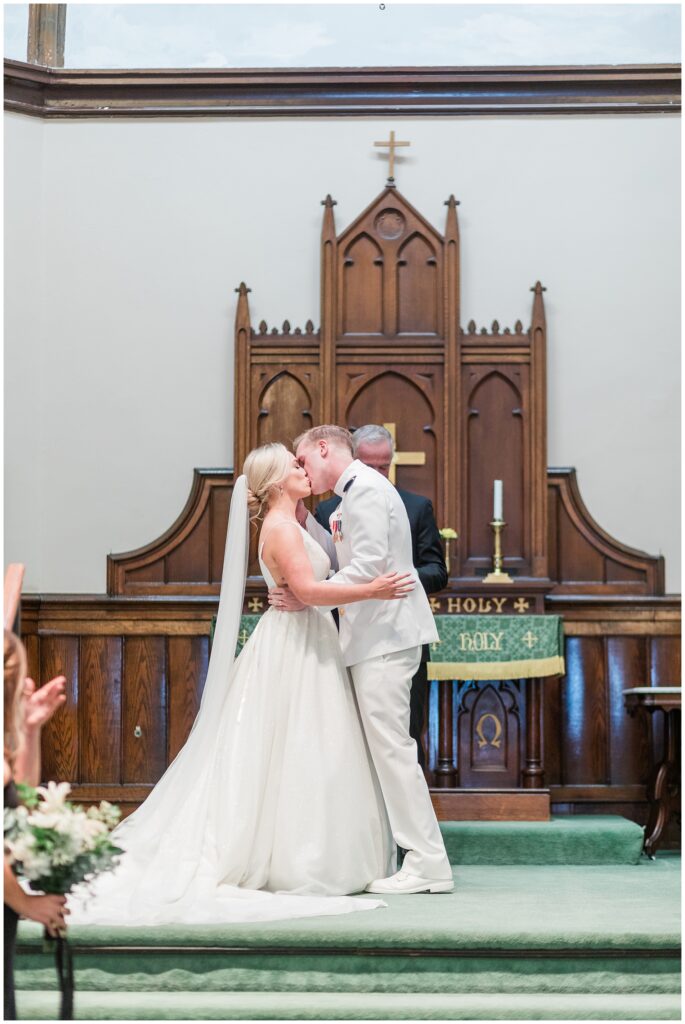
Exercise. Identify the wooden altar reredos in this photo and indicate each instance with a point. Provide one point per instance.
(390, 349)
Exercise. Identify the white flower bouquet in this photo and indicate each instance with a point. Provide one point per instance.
(56, 845)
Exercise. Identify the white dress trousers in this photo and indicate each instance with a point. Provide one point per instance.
(382, 686)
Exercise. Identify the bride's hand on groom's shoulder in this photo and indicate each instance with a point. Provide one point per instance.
(284, 599)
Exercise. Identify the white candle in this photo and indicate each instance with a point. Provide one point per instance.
(498, 514)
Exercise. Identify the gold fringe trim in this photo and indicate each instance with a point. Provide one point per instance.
(527, 669)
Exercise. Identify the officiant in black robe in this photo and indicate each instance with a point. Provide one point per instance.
(374, 446)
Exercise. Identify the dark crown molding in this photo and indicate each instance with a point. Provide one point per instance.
(342, 92)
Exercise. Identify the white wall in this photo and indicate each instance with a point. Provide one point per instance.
(24, 317)
(148, 226)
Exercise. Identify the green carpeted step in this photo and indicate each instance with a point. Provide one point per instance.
(347, 1006)
(511, 907)
(568, 839)
(512, 942)
(223, 972)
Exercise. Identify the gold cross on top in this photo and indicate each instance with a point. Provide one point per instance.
(402, 458)
(392, 145)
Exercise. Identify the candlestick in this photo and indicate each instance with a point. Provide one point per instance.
(497, 575)
(498, 513)
(448, 534)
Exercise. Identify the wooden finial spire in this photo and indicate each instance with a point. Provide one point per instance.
(328, 227)
(538, 306)
(242, 315)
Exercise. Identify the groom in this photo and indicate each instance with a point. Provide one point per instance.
(381, 643)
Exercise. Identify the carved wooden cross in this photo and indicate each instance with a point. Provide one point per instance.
(392, 146)
(402, 458)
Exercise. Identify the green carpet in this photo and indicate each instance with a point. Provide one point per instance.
(542, 942)
(221, 972)
(506, 907)
(336, 1006)
(568, 839)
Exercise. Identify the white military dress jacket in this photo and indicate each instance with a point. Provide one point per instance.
(371, 535)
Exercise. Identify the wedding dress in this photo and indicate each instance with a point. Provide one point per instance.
(272, 810)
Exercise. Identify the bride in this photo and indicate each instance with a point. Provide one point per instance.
(272, 808)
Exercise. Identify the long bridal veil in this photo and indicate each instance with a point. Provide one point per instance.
(168, 872)
(179, 782)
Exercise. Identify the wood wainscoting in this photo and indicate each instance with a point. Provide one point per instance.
(135, 668)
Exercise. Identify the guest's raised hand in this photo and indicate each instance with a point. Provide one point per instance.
(41, 704)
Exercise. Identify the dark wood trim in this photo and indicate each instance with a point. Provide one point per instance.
(569, 952)
(573, 607)
(342, 92)
(115, 794)
(597, 794)
(491, 804)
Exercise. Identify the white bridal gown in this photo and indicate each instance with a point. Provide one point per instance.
(285, 816)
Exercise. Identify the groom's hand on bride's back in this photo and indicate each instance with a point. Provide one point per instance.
(284, 599)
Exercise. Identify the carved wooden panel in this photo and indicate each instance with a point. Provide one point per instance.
(100, 709)
(362, 280)
(497, 447)
(502, 435)
(411, 399)
(390, 273)
(59, 655)
(584, 738)
(144, 710)
(187, 671)
(583, 558)
(419, 287)
(188, 557)
(286, 400)
(278, 381)
(488, 736)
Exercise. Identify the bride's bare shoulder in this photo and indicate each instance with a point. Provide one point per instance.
(276, 530)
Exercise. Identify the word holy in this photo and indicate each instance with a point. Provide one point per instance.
(471, 605)
(480, 641)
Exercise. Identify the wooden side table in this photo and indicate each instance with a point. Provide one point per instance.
(663, 788)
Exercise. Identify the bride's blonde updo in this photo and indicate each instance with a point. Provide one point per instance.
(265, 467)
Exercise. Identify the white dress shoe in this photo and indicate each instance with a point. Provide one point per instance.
(403, 882)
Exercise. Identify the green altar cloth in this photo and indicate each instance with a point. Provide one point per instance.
(480, 646)
(497, 647)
